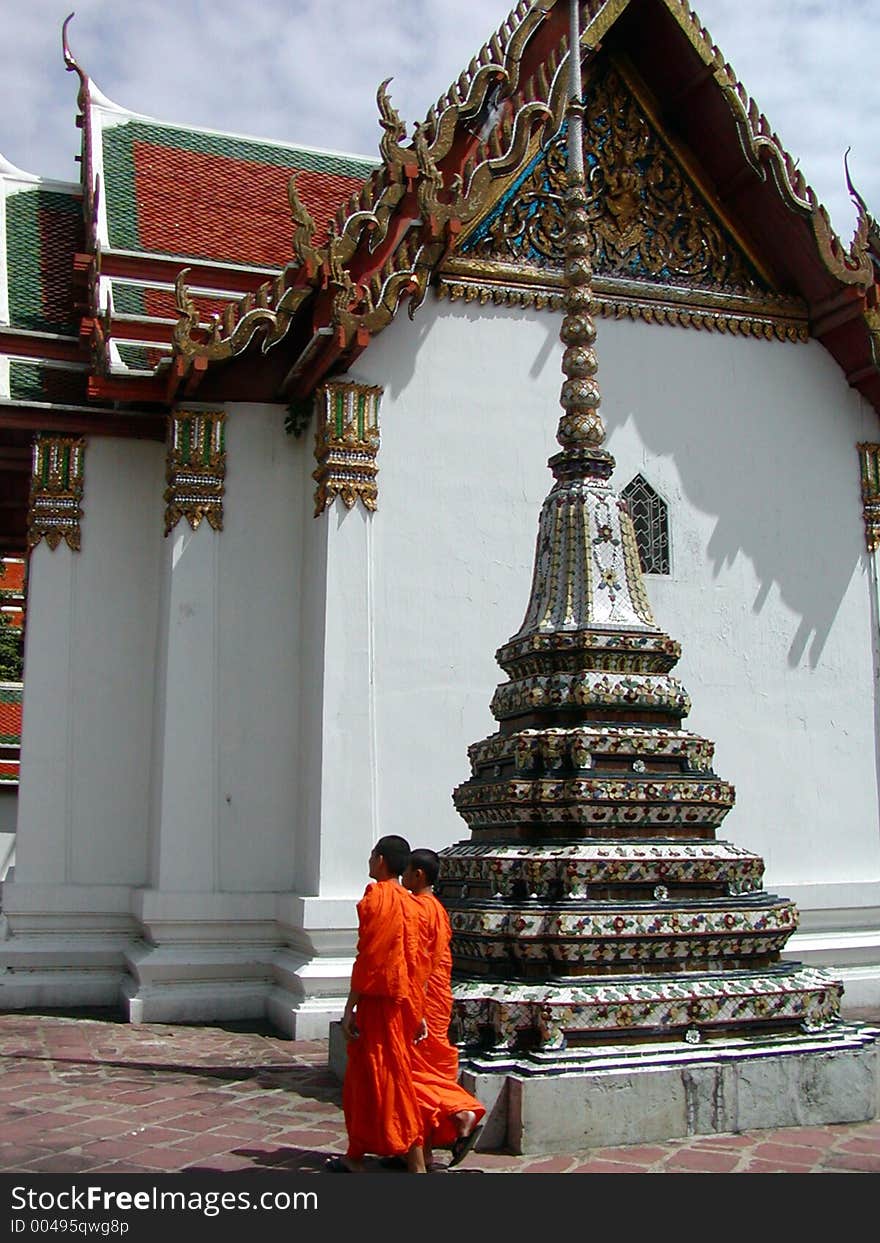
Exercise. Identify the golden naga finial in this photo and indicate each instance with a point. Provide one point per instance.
(865, 222)
(186, 308)
(71, 65)
(305, 228)
(425, 159)
(395, 130)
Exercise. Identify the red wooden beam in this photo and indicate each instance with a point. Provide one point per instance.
(21, 345)
(166, 271)
(115, 388)
(74, 420)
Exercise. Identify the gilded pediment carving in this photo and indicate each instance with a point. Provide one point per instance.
(659, 249)
(649, 223)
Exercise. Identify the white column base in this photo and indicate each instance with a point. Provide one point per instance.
(203, 956)
(840, 933)
(313, 971)
(179, 957)
(64, 945)
(195, 1002)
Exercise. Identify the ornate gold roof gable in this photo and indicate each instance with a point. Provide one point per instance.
(660, 250)
(390, 239)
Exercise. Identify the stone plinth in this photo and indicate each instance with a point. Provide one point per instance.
(622, 1094)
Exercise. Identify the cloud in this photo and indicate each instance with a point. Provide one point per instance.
(306, 71)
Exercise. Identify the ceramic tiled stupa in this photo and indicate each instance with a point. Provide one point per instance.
(594, 904)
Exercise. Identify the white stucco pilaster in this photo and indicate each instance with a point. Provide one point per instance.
(83, 817)
(337, 822)
(186, 844)
(349, 827)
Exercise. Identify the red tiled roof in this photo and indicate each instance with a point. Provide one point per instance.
(10, 720)
(12, 578)
(215, 207)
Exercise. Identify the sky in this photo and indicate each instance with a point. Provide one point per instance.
(306, 71)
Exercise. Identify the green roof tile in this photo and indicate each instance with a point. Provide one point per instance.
(41, 231)
(229, 209)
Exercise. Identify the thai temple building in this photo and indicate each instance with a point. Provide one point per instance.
(274, 426)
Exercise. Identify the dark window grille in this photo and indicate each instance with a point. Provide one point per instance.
(651, 521)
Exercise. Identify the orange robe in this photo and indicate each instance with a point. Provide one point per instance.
(378, 1099)
(435, 1060)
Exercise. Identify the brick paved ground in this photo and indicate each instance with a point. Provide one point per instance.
(92, 1094)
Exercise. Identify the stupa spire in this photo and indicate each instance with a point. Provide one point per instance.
(587, 573)
(581, 424)
(593, 898)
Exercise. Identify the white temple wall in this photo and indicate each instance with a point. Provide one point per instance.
(466, 433)
(244, 712)
(259, 637)
(752, 445)
(312, 615)
(186, 810)
(83, 814)
(228, 667)
(769, 591)
(226, 776)
(88, 697)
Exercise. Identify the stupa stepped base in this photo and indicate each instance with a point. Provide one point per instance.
(546, 1102)
(562, 869)
(511, 1015)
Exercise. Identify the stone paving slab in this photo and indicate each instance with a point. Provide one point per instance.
(90, 1093)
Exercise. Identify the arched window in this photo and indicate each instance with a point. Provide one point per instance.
(650, 519)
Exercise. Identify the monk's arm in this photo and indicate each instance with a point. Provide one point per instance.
(349, 1025)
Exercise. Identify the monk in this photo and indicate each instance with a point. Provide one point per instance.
(382, 1114)
(451, 1116)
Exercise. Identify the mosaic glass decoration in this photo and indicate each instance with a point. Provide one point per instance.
(869, 459)
(346, 445)
(196, 468)
(56, 491)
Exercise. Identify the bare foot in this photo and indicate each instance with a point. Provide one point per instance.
(415, 1160)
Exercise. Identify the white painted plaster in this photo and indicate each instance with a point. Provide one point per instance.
(187, 800)
(88, 702)
(348, 816)
(258, 674)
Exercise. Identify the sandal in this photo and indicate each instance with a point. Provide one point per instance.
(336, 1165)
(462, 1146)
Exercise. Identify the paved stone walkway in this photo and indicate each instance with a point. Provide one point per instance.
(90, 1094)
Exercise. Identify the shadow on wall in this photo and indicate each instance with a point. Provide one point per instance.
(763, 437)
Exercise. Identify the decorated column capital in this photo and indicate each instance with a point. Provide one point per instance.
(869, 458)
(195, 468)
(346, 444)
(56, 491)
